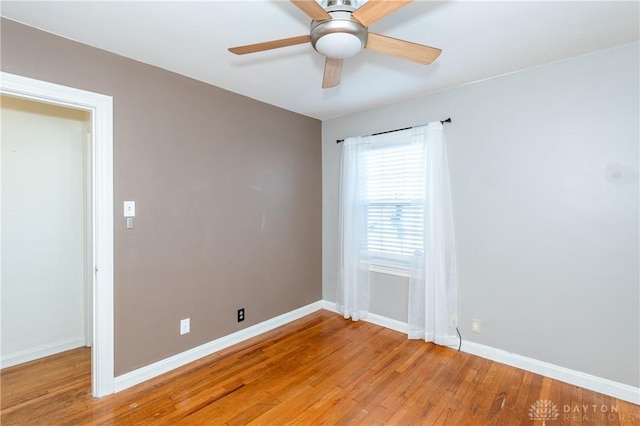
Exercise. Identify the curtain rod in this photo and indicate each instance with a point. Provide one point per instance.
(448, 120)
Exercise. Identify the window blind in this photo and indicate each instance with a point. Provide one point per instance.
(395, 205)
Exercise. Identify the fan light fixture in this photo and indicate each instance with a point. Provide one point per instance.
(339, 45)
(338, 38)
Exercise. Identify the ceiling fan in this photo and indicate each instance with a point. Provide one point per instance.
(340, 30)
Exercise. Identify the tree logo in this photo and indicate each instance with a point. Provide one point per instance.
(544, 410)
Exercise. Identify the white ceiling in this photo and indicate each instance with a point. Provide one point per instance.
(479, 40)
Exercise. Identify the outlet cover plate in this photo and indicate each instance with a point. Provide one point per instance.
(476, 325)
(185, 326)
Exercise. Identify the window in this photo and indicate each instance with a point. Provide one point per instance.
(395, 201)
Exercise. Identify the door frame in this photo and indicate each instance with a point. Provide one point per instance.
(101, 109)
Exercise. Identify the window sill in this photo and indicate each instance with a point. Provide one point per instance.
(388, 270)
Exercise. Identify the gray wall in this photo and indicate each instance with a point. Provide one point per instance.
(228, 197)
(544, 171)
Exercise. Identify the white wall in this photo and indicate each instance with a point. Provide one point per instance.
(544, 170)
(43, 294)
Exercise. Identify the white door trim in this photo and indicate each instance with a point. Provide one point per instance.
(101, 109)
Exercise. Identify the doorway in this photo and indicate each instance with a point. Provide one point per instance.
(100, 223)
(46, 224)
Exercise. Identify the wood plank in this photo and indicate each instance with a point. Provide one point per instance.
(321, 369)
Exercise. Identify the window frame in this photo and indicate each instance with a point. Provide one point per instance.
(391, 263)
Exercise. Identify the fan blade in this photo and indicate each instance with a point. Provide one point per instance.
(312, 9)
(374, 10)
(332, 72)
(268, 45)
(402, 49)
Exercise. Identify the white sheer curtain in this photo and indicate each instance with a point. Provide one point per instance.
(353, 270)
(432, 281)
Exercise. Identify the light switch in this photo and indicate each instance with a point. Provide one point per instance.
(129, 209)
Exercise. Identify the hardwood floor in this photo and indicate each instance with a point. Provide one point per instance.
(321, 369)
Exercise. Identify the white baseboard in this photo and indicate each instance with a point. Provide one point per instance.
(157, 368)
(376, 319)
(567, 375)
(385, 322)
(41, 352)
(577, 378)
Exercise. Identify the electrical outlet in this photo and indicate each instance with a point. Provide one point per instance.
(240, 314)
(185, 326)
(476, 325)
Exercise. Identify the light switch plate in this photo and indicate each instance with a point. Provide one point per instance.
(129, 209)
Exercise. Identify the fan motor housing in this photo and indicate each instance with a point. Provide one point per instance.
(343, 23)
